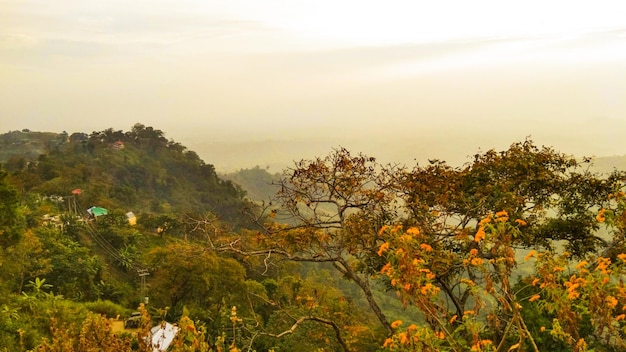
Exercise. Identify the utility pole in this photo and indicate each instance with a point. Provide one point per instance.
(71, 206)
(142, 274)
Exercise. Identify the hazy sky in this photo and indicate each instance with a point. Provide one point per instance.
(247, 82)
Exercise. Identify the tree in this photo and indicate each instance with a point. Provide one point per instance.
(187, 277)
(26, 260)
(343, 208)
(336, 204)
(11, 218)
(454, 256)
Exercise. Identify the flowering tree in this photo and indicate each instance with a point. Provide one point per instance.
(446, 239)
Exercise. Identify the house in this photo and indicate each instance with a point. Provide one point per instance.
(162, 335)
(119, 145)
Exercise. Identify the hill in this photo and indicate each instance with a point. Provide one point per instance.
(139, 171)
(259, 184)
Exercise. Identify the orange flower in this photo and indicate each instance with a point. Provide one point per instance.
(400, 252)
(601, 217)
(622, 257)
(383, 248)
(388, 343)
(396, 323)
(480, 234)
(476, 261)
(611, 301)
(426, 247)
(386, 269)
(440, 335)
(533, 298)
(404, 339)
(502, 216)
(473, 252)
(520, 222)
(535, 281)
(453, 319)
(603, 264)
(485, 220)
(530, 254)
(413, 231)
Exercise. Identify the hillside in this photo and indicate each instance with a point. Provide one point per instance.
(345, 253)
(139, 171)
(28, 145)
(258, 183)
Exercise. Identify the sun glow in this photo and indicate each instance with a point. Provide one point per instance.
(400, 21)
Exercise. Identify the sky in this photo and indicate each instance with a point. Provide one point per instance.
(249, 82)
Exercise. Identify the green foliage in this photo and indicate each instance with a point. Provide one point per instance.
(365, 252)
(189, 276)
(139, 170)
(11, 218)
(74, 269)
(107, 308)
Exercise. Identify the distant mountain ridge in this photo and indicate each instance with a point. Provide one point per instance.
(23, 146)
(607, 164)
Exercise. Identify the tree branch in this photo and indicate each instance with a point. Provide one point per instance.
(316, 319)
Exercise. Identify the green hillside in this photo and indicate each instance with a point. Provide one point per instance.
(522, 247)
(139, 171)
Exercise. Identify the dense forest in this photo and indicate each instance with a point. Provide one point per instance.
(517, 250)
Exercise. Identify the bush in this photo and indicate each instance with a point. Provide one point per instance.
(107, 308)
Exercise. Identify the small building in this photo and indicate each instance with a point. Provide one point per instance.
(132, 219)
(97, 211)
(162, 335)
(119, 145)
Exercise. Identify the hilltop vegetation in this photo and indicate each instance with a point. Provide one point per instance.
(337, 253)
(138, 170)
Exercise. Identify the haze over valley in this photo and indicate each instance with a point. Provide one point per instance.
(246, 84)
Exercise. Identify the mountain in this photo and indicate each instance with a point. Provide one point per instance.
(258, 183)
